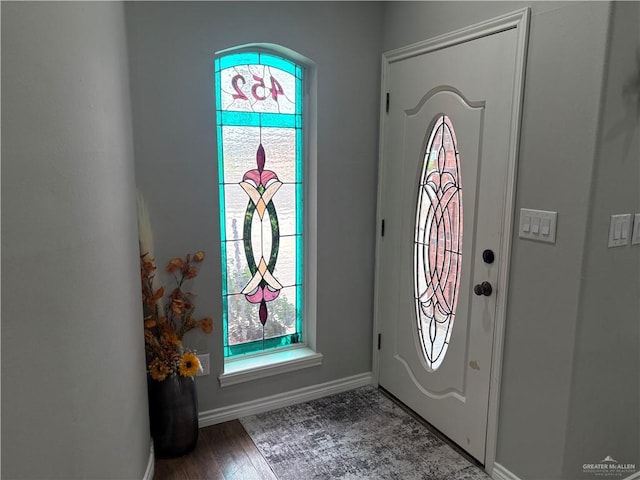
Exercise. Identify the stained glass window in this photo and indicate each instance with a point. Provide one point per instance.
(259, 118)
(438, 242)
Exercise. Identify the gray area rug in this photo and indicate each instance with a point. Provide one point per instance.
(360, 434)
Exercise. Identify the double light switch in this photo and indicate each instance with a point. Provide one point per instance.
(623, 230)
(619, 230)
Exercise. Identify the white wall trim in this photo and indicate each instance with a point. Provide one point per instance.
(377, 322)
(148, 474)
(499, 24)
(260, 405)
(521, 21)
(501, 473)
(518, 20)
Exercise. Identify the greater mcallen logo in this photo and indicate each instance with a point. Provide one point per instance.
(608, 467)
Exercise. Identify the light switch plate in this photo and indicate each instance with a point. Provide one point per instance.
(620, 230)
(635, 238)
(538, 225)
(204, 364)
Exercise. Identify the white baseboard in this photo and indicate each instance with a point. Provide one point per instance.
(148, 474)
(633, 476)
(501, 473)
(260, 405)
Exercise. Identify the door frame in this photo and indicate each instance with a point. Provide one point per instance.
(516, 20)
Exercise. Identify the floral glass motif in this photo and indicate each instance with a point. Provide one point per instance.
(438, 242)
(259, 121)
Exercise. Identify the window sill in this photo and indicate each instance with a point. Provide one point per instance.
(261, 366)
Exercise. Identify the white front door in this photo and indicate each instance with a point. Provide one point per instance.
(447, 159)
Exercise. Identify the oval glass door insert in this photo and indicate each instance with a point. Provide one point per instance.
(437, 248)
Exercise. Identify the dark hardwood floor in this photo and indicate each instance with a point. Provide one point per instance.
(224, 452)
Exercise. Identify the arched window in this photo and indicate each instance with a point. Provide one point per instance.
(259, 116)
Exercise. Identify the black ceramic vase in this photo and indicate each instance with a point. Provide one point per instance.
(173, 414)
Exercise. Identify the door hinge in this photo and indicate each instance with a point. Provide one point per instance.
(379, 340)
(387, 102)
(382, 229)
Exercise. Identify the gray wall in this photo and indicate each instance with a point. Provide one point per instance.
(172, 48)
(73, 383)
(546, 328)
(605, 390)
(559, 128)
(71, 309)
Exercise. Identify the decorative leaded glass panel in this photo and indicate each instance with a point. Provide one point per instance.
(438, 242)
(259, 120)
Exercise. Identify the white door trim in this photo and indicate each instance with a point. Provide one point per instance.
(517, 20)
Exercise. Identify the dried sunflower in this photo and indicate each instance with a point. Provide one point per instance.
(189, 365)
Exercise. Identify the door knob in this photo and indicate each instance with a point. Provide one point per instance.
(483, 288)
(488, 256)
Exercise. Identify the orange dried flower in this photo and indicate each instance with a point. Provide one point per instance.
(198, 256)
(170, 336)
(148, 266)
(159, 293)
(206, 324)
(150, 323)
(177, 305)
(152, 299)
(192, 272)
(175, 263)
(159, 370)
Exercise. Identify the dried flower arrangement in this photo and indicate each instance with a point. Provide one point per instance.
(165, 327)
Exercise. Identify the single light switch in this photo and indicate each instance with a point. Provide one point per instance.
(619, 230)
(535, 227)
(538, 225)
(545, 227)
